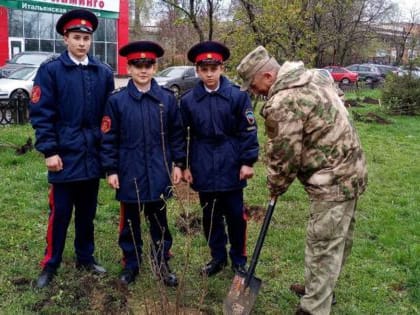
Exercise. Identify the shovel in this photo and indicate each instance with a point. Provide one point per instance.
(244, 289)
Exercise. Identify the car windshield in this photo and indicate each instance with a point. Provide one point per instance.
(32, 59)
(171, 72)
(22, 74)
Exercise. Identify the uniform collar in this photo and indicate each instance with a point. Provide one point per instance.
(155, 91)
(83, 62)
(199, 91)
(65, 58)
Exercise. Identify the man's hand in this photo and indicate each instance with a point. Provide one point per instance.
(187, 176)
(54, 163)
(246, 172)
(113, 181)
(176, 175)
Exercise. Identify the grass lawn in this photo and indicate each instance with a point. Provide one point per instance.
(382, 275)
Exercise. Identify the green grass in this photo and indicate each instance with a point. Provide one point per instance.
(382, 275)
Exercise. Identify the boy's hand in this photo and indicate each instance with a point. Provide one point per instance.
(54, 163)
(113, 181)
(246, 172)
(187, 176)
(176, 175)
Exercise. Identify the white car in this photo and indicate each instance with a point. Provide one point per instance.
(19, 82)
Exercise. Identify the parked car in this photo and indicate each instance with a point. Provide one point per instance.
(387, 69)
(19, 82)
(413, 71)
(342, 75)
(368, 73)
(177, 78)
(24, 59)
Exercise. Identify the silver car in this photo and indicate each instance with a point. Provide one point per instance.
(18, 83)
(178, 78)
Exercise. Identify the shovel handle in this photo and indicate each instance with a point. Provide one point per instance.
(260, 241)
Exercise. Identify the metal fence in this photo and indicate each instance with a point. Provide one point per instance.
(14, 111)
(361, 85)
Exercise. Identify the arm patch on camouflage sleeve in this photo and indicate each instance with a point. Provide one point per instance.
(271, 128)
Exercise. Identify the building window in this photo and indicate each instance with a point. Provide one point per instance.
(46, 26)
(111, 55)
(31, 24)
(31, 44)
(15, 23)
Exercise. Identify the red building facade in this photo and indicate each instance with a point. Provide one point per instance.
(29, 25)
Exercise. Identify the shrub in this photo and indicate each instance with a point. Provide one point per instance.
(401, 95)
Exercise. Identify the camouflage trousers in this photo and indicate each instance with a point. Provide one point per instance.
(329, 238)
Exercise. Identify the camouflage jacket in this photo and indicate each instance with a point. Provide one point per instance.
(311, 137)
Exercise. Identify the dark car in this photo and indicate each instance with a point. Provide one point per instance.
(368, 73)
(178, 78)
(342, 75)
(386, 69)
(24, 59)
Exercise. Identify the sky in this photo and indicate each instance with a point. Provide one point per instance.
(407, 5)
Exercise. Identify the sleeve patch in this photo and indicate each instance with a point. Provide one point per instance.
(35, 94)
(106, 124)
(249, 114)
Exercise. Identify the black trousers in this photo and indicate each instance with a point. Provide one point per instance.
(130, 239)
(63, 197)
(219, 207)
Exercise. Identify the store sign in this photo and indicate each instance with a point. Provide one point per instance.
(102, 8)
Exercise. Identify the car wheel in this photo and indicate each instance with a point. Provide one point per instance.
(19, 93)
(369, 80)
(345, 81)
(175, 89)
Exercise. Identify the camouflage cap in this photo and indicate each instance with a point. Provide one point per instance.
(251, 64)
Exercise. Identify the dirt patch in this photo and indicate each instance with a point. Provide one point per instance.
(184, 192)
(398, 287)
(189, 225)
(352, 103)
(371, 118)
(255, 212)
(88, 293)
(370, 100)
(160, 306)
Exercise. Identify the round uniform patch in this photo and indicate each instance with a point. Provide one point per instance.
(36, 94)
(250, 117)
(106, 124)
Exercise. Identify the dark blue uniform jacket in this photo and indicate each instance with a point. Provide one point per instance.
(67, 112)
(223, 135)
(133, 145)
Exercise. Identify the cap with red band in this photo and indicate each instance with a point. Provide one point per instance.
(210, 52)
(77, 21)
(209, 55)
(142, 52)
(141, 55)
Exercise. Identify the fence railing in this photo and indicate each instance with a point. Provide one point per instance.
(14, 111)
(361, 85)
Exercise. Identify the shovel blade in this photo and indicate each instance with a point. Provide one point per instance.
(241, 298)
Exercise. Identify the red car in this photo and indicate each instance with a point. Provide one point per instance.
(342, 75)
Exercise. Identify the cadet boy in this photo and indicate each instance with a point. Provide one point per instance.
(66, 108)
(310, 137)
(224, 148)
(142, 137)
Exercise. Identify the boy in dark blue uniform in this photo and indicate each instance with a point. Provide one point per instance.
(66, 108)
(223, 149)
(142, 138)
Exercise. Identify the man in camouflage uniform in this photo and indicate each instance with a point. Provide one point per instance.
(311, 137)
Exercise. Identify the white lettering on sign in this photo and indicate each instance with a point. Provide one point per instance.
(105, 5)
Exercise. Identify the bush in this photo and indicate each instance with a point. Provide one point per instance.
(401, 95)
